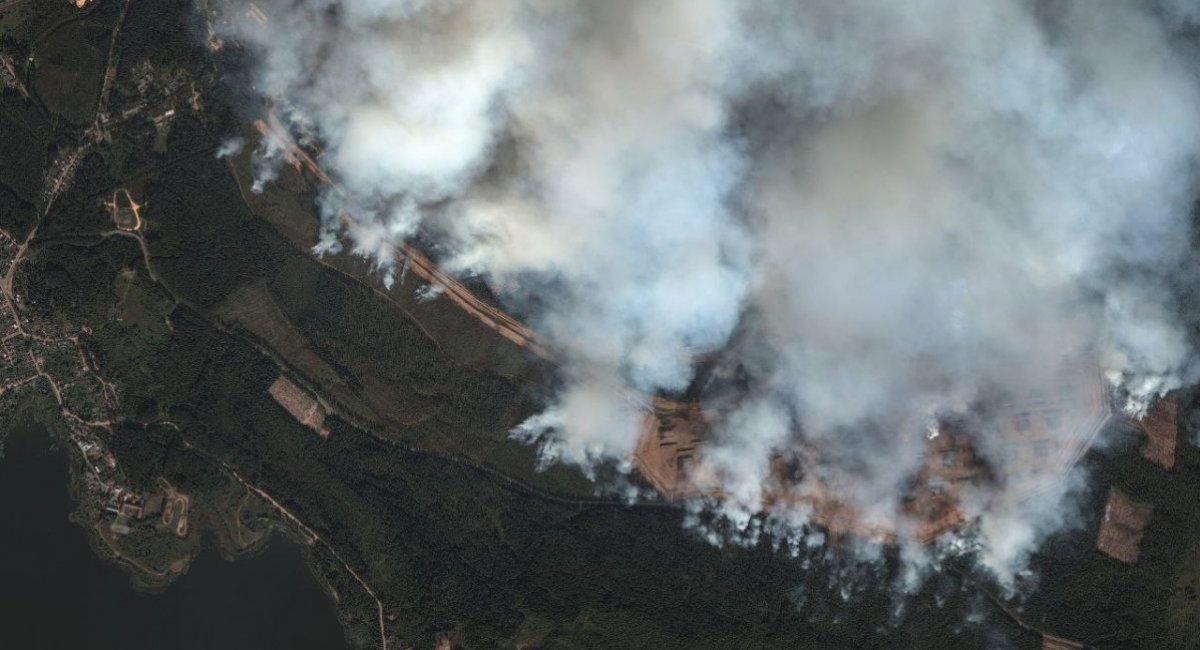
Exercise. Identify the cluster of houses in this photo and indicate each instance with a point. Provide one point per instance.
(129, 506)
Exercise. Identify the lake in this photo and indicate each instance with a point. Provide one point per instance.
(56, 593)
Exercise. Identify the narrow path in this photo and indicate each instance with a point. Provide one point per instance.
(6, 63)
(511, 481)
(312, 537)
(1009, 612)
(110, 70)
(125, 558)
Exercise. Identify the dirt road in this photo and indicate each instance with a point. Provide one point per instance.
(491, 316)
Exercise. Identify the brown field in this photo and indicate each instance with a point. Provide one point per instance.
(1041, 435)
(300, 404)
(1121, 530)
(253, 308)
(1161, 427)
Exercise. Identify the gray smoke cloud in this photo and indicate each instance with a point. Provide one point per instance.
(881, 211)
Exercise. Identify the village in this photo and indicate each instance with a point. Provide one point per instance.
(38, 360)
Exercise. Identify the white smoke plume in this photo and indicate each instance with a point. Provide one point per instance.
(230, 147)
(880, 211)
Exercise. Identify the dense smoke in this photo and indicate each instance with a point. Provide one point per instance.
(879, 211)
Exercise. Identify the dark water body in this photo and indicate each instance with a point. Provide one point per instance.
(55, 593)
